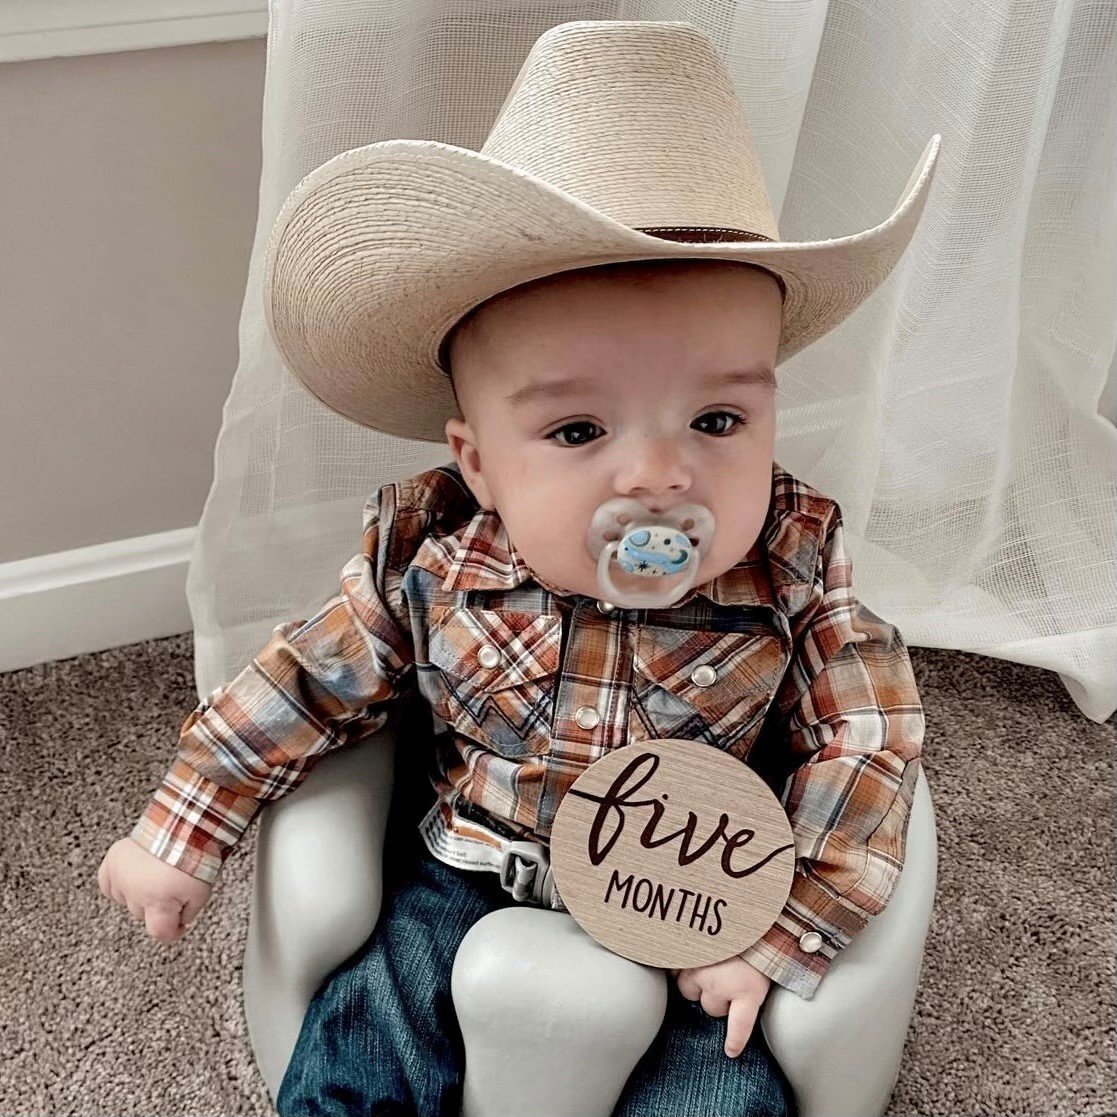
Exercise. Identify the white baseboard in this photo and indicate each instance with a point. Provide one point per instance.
(60, 28)
(93, 598)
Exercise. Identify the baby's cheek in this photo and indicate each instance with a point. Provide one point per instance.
(547, 521)
(570, 567)
(733, 539)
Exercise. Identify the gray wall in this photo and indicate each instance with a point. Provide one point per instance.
(128, 187)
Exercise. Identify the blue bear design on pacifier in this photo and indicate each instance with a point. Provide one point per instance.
(653, 552)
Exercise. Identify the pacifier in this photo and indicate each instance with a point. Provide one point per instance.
(665, 548)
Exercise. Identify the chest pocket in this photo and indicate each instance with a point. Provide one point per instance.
(492, 676)
(704, 686)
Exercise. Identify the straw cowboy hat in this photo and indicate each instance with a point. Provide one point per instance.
(618, 141)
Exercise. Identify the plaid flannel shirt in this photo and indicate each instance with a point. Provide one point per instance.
(811, 689)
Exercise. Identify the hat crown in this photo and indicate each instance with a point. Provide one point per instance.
(639, 120)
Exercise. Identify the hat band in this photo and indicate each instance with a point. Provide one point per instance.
(708, 234)
(699, 234)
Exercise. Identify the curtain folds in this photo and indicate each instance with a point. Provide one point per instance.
(955, 416)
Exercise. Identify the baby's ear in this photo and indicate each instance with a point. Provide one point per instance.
(463, 445)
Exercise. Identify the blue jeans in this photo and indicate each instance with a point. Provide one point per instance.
(380, 1038)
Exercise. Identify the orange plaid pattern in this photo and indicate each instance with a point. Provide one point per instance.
(533, 685)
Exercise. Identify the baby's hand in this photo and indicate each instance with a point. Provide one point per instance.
(163, 898)
(731, 987)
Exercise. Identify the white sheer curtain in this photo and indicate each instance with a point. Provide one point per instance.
(954, 416)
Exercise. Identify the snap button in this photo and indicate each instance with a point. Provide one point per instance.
(587, 717)
(704, 675)
(488, 656)
(605, 607)
(810, 942)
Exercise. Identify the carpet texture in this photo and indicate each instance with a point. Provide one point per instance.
(1015, 1013)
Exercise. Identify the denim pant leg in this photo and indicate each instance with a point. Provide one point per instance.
(380, 1037)
(686, 1073)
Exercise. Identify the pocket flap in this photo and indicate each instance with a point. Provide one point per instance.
(712, 671)
(490, 650)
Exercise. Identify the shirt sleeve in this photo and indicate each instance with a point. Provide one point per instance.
(317, 684)
(852, 718)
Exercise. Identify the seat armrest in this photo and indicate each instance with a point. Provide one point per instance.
(316, 892)
(841, 1049)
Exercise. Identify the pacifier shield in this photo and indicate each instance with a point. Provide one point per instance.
(649, 546)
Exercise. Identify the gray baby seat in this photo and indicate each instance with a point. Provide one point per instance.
(534, 974)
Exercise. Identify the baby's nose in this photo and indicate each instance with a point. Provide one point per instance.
(652, 469)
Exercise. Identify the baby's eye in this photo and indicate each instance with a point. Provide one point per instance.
(718, 423)
(576, 434)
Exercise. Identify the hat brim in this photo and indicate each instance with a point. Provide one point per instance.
(376, 254)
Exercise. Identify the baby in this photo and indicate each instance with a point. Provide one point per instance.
(649, 377)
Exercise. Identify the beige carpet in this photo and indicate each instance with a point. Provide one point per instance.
(1015, 1013)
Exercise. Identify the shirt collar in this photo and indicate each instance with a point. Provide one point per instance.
(778, 571)
(485, 558)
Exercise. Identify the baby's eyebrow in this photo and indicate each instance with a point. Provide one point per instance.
(757, 374)
(551, 389)
(565, 386)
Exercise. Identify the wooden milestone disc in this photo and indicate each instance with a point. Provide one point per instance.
(672, 853)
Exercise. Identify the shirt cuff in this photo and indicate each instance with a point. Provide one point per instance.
(796, 951)
(192, 823)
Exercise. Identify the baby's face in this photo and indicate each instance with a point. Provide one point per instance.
(655, 384)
